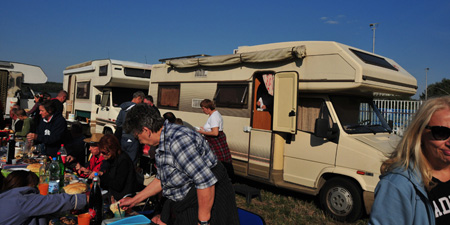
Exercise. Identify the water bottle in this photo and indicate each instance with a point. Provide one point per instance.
(96, 202)
(63, 152)
(44, 172)
(53, 184)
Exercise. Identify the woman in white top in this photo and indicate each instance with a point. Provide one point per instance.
(213, 133)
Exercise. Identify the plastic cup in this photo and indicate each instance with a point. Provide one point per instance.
(43, 188)
(120, 214)
(84, 219)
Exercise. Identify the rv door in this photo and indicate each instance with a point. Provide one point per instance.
(285, 102)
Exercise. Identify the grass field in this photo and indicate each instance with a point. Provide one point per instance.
(281, 207)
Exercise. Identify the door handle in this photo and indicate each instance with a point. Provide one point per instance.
(291, 113)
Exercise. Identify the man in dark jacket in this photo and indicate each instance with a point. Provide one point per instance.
(59, 101)
(129, 143)
(149, 101)
(51, 130)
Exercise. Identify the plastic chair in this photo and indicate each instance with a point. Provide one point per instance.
(249, 218)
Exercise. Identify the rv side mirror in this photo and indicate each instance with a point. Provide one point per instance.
(321, 128)
(98, 99)
(334, 135)
(391, 124)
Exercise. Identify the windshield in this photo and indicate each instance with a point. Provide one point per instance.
(121, 95)
(359, 115)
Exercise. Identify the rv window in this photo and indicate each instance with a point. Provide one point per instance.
(105, 98)
(231, 95)
(26, 92)
(83, 89)
(310, 109)
(12, 82)
(121, 95)
(169, 96)
(359, 115)
(137, 73)
(103, 70)
(373, 60)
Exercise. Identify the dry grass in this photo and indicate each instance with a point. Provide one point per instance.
(281, 207)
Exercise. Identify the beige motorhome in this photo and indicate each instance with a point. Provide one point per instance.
(14, 80)
(318, 133)
(97, 88)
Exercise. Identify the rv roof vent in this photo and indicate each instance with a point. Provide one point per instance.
(196, 103)
(201, 73)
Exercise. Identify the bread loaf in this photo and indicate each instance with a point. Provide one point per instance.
(34, 167)
(75, 188)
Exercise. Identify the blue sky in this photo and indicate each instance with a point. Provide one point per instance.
(56, 34)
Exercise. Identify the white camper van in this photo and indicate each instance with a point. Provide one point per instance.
(97, 88)
(14, 78)
(319, 131)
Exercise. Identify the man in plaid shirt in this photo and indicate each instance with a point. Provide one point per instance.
(188, 172)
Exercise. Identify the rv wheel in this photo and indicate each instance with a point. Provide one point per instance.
(107, 131)
(341, 199)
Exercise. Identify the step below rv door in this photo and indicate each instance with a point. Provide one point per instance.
(285, 102)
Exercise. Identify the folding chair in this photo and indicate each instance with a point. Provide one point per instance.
(249, 218)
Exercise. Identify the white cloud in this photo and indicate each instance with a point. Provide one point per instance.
(331, 22)
(335, 20)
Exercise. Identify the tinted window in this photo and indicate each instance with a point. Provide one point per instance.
(231, 95)
(103, 70)
(373, 60)
(131, 72)
(121, 95)
(83, 90)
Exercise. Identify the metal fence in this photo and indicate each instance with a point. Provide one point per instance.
(399, 111)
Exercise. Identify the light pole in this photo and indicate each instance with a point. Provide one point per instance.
(426, 83)
(373, 26)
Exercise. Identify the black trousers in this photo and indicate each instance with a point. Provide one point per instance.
(223, 212)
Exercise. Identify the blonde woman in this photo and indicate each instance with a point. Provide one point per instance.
(423, 153)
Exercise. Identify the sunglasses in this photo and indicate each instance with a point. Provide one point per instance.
(104, 152)
(439, 132)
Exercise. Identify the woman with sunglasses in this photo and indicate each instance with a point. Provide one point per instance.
(119, 177)
(420, 163)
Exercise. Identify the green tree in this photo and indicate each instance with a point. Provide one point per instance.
(437, 89)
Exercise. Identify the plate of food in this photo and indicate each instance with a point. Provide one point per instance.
(17, 169)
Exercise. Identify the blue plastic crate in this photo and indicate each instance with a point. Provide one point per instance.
(132, 220)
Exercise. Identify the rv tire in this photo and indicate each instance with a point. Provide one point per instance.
(341, 198)
(107, 131)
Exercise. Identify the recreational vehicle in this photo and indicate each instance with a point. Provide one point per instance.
(97, 88)
(297, 115)
(14, 78)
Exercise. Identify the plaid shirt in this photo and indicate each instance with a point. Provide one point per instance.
(184, 160)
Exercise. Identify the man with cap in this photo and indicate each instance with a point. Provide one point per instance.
(95, 160)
